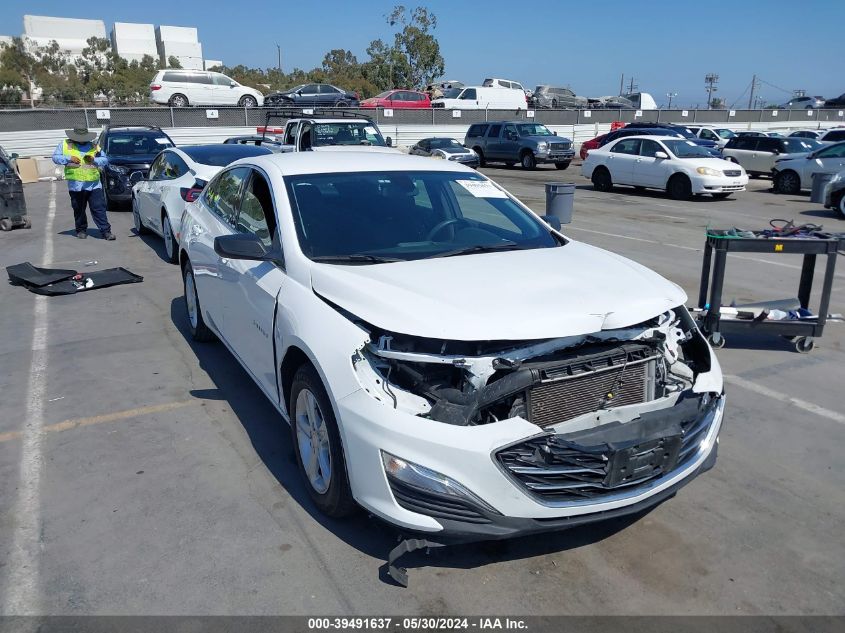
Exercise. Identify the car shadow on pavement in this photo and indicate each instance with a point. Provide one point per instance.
(826, 214)
(155, 243)
(271, 439)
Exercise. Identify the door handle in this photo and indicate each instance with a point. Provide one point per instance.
(224, 261)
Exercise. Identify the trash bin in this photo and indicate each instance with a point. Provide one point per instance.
(819, 181)
(560, 197)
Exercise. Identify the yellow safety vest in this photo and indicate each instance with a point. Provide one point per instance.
(84, 171)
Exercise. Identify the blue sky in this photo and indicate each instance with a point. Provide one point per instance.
(666, 46)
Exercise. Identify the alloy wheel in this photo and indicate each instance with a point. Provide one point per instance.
(313, 441)
(191, 299)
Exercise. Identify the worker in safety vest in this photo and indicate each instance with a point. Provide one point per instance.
(82, 159)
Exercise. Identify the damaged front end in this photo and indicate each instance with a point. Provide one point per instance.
(576, 380)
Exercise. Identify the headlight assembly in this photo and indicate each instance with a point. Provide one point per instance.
(709, 171)
(542, 147)
(118, 169)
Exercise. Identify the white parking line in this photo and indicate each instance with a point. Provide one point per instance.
(690, 248)
(22, 594)
(782, 397)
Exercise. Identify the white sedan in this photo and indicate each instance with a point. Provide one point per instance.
(411, 320)
(177, 176)
(678, 166)
(792, 175)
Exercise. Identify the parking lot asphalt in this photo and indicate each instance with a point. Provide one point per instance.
(141, 473)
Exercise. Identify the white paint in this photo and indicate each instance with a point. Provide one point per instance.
(22, 594)
(732, 113)
(786, 399)
(587, 114)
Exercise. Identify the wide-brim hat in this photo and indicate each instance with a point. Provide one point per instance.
(80, 135)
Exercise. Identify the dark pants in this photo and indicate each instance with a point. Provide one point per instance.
(94, 200)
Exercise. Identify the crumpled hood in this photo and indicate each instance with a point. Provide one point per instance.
(514, 295)
(144, 160)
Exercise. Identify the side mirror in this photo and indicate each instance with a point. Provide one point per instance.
(663, 155)
(553, 221)
(233, 84)
(241, 246)
(555, 133)
(389, 141)
(14, 156)
(299, 92)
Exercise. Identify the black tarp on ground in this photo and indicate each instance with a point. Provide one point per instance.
(57, 281)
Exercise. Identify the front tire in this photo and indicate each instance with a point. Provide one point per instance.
(317, 444)
(722, 195)
(481, 161)
(788, 182)
(840, 205)
(140, 229)
(562, 164)
(528, 161)
(170, 246)
(199, 330)
(601, 179)
(679, 187)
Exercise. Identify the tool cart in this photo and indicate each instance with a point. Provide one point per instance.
(12, 203)
(801, 331)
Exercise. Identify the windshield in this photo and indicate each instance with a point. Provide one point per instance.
(724, 133)
(134, 144)
(383, 95)
(443, 143)
(343, 133)
(366, 217)
(687, 149)
(800, 145)
(533, 129)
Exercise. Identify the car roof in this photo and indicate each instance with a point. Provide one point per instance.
(319, 119)
(651, 137)
(298, 163)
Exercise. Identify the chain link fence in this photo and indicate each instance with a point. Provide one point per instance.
(43, 119)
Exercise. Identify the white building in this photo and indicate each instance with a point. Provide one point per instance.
(212, 63)
(70, 34)
(133, 41)
(180, 42)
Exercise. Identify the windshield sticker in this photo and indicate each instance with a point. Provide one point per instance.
(162, 141)
(482, 189)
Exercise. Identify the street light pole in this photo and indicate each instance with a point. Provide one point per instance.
(279, 50)
(671, 95)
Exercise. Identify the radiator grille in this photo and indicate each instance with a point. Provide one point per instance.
(574, 389)
(732, 173)
(559, 147)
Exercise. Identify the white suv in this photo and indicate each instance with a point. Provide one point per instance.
(720, 135)
(180, 88)
(340, 282)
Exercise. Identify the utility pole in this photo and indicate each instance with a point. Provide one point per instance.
(632, 86)
(279, 50)
(671, 95)
(710, 80)
(621, 84)
(753, 89)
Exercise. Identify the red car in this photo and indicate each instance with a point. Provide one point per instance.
(398, 99)
(591, 144)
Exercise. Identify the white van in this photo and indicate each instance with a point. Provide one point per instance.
(180, 88)
(483, 98)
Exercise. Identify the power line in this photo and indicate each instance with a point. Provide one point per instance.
(763, 81)
(742, 95)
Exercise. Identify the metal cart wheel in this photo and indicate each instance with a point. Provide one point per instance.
(5, 224)
(804, 344)
(716, 340)
(27, 224)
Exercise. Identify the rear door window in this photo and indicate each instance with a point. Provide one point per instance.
(494, 132)
(477, 130)
(627, 146)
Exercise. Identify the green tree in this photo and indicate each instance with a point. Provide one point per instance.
(173, 62)
(421, 61)
(18, 68)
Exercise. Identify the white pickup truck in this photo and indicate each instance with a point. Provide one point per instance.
(321, 132)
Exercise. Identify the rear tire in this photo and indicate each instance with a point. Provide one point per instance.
(562, 164)
(199, 330)
(840, 205)
(481, 161)
(679, 187)
(341, 104)
(527, 160)
(178, 101)
(315, 433)
(248, 101)
(601, 179)
(5, 224)
(787, 182)
(170, 245)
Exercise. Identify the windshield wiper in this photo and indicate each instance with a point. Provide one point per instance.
(355, 258)
(480, 248)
